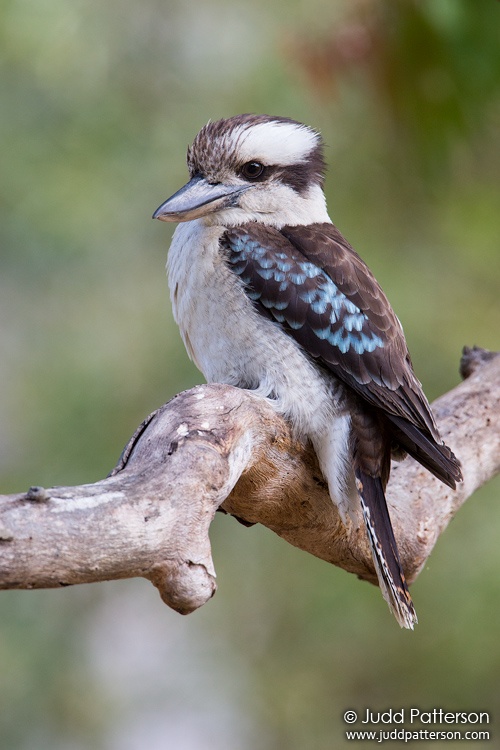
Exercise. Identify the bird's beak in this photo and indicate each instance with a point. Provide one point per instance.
(198, 198)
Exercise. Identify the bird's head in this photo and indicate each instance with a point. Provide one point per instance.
(252, 168)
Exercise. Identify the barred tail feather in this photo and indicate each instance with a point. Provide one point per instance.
(384, 549)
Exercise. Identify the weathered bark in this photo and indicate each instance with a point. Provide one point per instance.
(217, 447)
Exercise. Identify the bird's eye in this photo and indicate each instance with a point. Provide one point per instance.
(252, 170)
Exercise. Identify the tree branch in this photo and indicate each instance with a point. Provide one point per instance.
(221, 448)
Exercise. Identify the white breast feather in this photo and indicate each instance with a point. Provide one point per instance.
(230, 342)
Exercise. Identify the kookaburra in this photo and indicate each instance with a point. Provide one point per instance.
(269, 296)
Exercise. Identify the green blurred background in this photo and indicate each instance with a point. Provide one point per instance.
(98, 102)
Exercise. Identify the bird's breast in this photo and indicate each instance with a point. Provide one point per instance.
(231, 342)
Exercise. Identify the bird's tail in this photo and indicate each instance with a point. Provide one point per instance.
(384, 549)
(427, 450)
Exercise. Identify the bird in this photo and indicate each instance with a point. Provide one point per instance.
(270, 297)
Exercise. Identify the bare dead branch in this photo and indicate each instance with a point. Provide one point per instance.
(217, 447)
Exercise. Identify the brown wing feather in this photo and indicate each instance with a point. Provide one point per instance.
(385, 376)
(311, 281)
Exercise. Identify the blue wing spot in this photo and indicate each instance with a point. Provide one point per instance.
(267, 302)
(246, 246)
(265, 273)
(344, 340)
(310, 270)
(307, 295)
(372, 342)
(280, 304)
(284, 265)
(266, 262)
(350, 306)
(320, 305)
(326, 298)
(323, 333)
(355, 322)
(344, 345)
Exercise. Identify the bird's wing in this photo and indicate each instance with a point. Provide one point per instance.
(310, 280)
